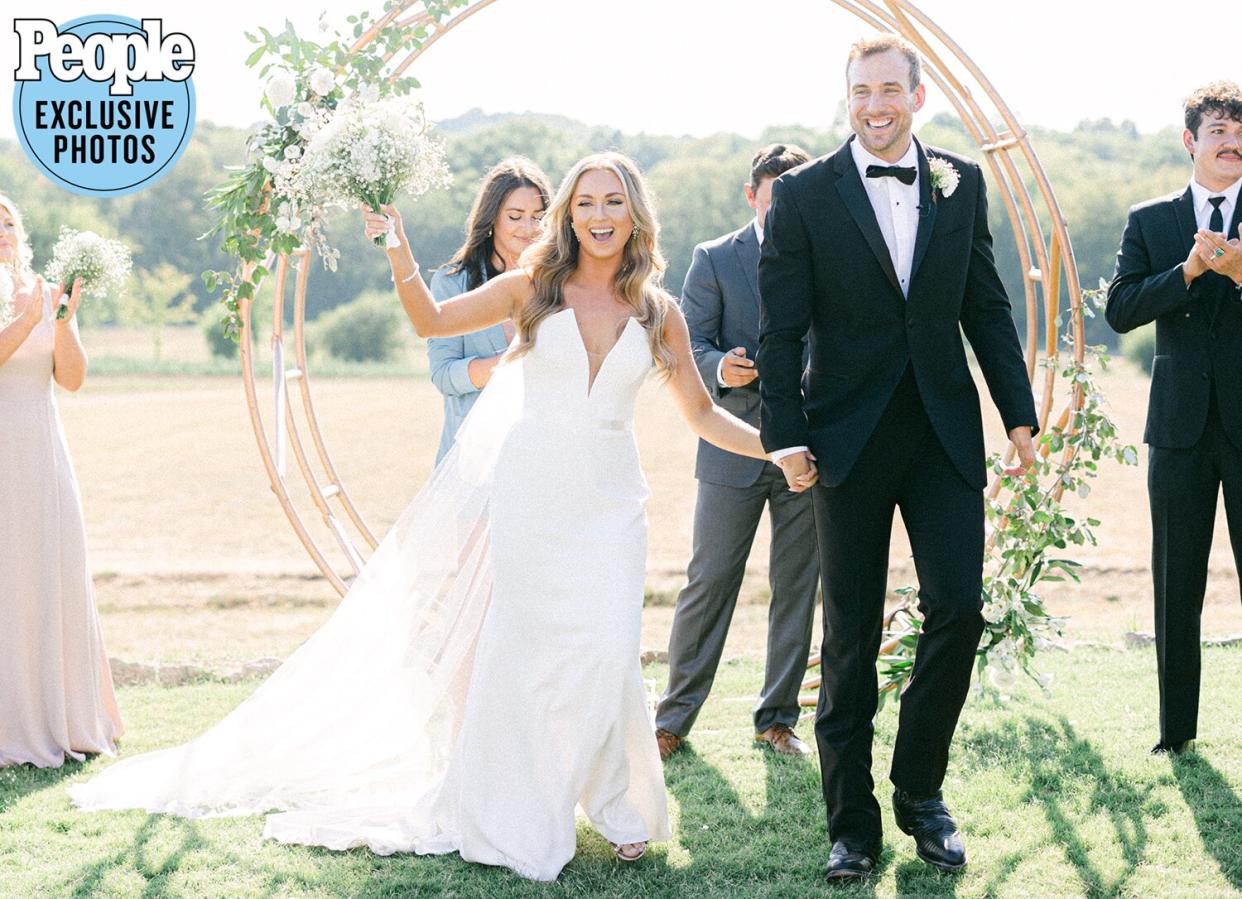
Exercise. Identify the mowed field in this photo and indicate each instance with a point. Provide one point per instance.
(194, 559)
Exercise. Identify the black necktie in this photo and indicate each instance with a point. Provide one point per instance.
(904, 174)
(1217, 221)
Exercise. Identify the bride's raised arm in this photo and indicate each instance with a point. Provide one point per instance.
(707, 420)
(496, 301)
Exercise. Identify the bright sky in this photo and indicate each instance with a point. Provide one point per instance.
(700, 66)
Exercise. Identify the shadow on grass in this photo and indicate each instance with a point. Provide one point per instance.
(734, 850)
(20, 781)
(157, 851)
(1217, 811)
(1056, 764)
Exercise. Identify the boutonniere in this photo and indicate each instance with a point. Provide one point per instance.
(944, 177)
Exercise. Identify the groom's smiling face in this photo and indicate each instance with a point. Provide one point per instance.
(882, 103)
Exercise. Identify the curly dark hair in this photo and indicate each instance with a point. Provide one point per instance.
(1224, 98)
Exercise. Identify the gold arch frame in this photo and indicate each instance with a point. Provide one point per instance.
(1043, 247)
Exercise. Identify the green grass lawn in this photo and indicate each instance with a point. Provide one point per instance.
(1056, 796)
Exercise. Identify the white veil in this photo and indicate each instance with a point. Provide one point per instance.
(366, 712)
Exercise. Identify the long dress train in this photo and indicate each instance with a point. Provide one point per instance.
(481, 678)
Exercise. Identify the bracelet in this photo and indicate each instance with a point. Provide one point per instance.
(410, 277)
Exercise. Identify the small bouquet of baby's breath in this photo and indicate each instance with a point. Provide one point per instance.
(7, 289)
(369, 152)
(102, 264)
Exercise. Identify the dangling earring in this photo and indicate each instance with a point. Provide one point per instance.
(634, 233)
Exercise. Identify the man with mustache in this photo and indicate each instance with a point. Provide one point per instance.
(1180, 266)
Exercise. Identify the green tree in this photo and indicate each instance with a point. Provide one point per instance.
(159, 297)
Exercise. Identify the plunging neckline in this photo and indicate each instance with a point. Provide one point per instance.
(591, 379)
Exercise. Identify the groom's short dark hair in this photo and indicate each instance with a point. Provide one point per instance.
(870, 46)
(775, 160)
(1223, 98)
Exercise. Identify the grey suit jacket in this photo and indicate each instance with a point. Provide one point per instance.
(449, 358)
(720, 300)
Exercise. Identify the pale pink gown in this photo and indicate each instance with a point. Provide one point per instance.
(56, 697)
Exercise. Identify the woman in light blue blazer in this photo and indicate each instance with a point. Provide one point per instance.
(504, 221)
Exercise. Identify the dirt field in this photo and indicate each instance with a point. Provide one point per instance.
(195, 560)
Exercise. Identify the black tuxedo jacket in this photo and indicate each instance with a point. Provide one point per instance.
(825, 269)
(1198, 328)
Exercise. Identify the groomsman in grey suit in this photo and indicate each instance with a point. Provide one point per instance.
(721, 304)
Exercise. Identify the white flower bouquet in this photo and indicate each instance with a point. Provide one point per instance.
(369, 152)
(102, 264)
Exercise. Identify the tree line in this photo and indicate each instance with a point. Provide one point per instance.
(1098, 170)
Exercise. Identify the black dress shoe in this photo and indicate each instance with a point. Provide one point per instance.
(846, 865)
(1173, 748)
(937, 840)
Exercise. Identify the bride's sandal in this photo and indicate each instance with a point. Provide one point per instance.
(629, 852)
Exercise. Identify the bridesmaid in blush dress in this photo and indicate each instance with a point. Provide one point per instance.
(56, 697)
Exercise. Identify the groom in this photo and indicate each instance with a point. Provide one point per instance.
(882, 251)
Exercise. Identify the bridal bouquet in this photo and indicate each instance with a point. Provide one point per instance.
(369, 152)
(102, 264)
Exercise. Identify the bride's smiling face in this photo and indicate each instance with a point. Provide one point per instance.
(10, 238)
(601, 214)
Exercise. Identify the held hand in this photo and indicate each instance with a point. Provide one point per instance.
(1021, 437)
(1221, 256)
(28, 304)
(71, 302)
(799, 470)
(377, 224)
(736, 370)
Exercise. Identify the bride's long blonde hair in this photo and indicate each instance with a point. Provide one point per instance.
(553, 258)
(21, 264)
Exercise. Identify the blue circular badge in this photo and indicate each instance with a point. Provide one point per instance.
(103, 105)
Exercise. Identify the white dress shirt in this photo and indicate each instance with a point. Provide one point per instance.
(896, 208)
(1203, 209)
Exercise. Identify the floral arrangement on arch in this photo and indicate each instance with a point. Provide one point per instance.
(339, 130)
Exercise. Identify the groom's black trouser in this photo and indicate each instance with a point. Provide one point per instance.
(902, 466)
(1183, 486)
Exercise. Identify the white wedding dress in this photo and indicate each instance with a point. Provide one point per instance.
(480, 681)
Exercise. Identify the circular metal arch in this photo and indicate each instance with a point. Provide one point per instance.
(1039, 229)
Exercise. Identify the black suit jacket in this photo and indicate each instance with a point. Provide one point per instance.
(1198, 328)
(825, 267)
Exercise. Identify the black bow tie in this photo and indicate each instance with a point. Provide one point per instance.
(904, 174)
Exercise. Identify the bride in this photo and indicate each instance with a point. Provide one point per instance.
(481, 678)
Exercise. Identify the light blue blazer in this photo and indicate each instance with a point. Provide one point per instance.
(450, 359)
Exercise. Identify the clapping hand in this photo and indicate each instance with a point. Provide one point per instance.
(1219, 255)
(28, 303)
(736, 370)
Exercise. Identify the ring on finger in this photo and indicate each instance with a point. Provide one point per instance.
(1217, 253)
